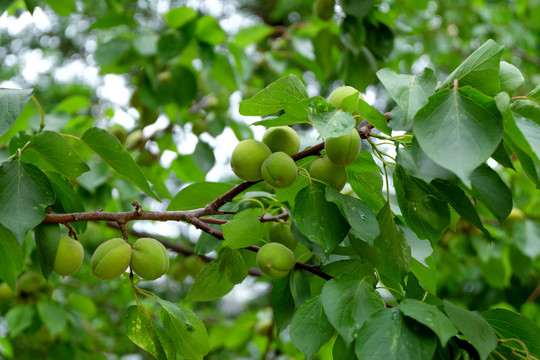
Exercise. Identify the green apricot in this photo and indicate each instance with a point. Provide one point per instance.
(343, 150)
(282, 138)
(324, 9)
(149, 259)
(279, 170)
(338, 95)
(194, 265)
(247, 159)
(111, 259)
(281, 233)
(275, 260)
(69, 256)
(6, 293)
(324, 170)
(29, 282)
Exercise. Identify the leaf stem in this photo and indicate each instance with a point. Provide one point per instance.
(42, 123)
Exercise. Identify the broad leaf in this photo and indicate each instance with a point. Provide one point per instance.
(418, 164)
(275, 97)
(364, 175)
(475, 329)
(11, 257)
(457, 198)
(310, 328)
(509, 325)
(197, 195)
(53, 316)
(47, 238)
(243, 232)
(12, 103)
(373, 116)
(54, 150)
(210, 284)
(190, 341)
(25, 194)
(480, 70)
(107, 147)
(283, 302)
(319, 220)
(144, 332)
(425, 214)
(410, 92)
(19, 318)
(387, 335)
(430, 316)
(459, 129)
(360, 216)
(329, 121)
(173, 311)
(348, 301)
(510, 77)
(488, 187)
(395, 252)
(426, 275)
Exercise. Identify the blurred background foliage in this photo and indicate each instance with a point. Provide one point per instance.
(166, 78)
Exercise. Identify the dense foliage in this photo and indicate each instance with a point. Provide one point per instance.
(431, 250)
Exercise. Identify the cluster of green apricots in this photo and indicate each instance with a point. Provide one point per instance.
(147, 258)
(270, 160)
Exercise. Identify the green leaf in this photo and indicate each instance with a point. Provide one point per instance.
(190, 341)
(480, 70)
(426, 275)
(509, 325)
(310, 328)
(197, 195)
(178, 17)
(356, 8)
(425, 214)
(410, 92)
(488, 187)
(47, 238)
(373, 116)
(360, 216)
(527, 238)
(217, 278)
(459, 129)
(285, 91)
(430, 316)
(12, 103)
(112, 51)
(144, 332)
(457, 198)
(364, 175)
(252, 34)
(510, 77)
(67, 200)
(329, 121)
(528, 108)
(173, 311)
(53, 316)
(475, 329)
(319, 220)
(418, 164)
(387, 335)
(54, 150)
(107, 147)
(531, 131)
(19, 318)
(348, 301)
(25, 194)
(63, 7)
(283, 302)
(208, 31)
(11, 257)
(391, 242)
(243, 232)
(288, 194)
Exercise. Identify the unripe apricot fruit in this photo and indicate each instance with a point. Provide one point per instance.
(275, 260)
(338, 95)
(247, 159)
(323, 169)
(343, 150)
(281, 233)
(282, 138)
(279, 170)
(149, 259)
(69, 256)
(111, 259)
